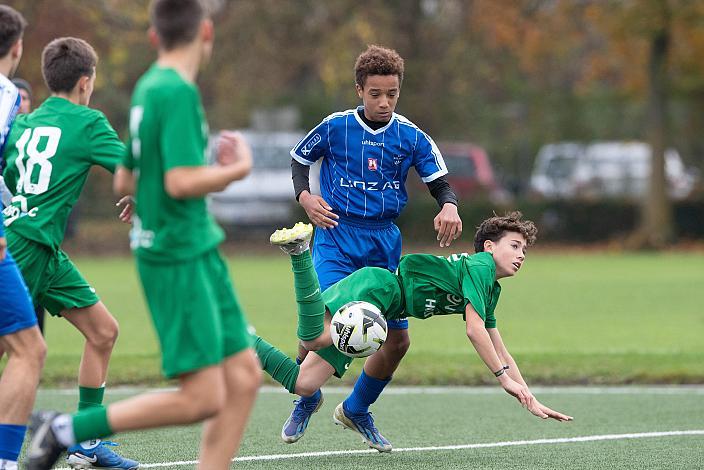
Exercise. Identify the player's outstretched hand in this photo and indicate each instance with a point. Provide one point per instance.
(127, 205)
(319, 212)
(3, 248)
(233, 148)
(518, 391)
(448, 224)
(542, 411)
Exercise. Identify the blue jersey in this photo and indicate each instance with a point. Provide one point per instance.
(9, 104)
(364, 171)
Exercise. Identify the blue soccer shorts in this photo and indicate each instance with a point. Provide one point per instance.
(355, 244)
(16, 311)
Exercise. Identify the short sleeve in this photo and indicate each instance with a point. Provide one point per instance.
(107, 150)
(476, 289)
(313, 146)
(181, 139)
(427, 158)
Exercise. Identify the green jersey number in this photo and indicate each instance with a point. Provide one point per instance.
(28, 148)
(29, 158)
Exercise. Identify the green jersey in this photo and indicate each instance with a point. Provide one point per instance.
(167, 130)
(434, 285)
(49, 154)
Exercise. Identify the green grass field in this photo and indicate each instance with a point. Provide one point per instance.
(454, 428)
(566, 317)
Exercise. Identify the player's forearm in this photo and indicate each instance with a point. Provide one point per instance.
(482, 344)
(123, 182)
(513, 371)
(191, 182)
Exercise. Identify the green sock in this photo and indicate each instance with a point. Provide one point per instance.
(91, 423)
(90, 397)
(277, 364)
(311, 308)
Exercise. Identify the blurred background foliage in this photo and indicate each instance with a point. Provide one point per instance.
(509, 75)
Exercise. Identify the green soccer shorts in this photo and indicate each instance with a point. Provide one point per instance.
(195, 311)
(379, 287)
(53, 280)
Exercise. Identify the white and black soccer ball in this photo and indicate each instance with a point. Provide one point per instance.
(358, 329)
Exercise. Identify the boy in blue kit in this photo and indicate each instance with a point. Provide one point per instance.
(366, 156)
(19, 335)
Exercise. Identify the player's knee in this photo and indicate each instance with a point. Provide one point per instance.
(398, 345)
(105, 337)
(321, 342)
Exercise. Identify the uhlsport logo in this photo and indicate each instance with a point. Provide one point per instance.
(372, 143)
(315, 140)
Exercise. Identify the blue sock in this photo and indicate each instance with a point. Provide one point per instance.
(313, 398)
(11, 437)
(366, 391)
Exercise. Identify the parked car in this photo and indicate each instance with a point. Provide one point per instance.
(470, 172)
(265, 197)
(604, 170)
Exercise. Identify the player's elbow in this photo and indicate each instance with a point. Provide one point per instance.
(177, 187)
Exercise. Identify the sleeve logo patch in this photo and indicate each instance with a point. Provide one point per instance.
(315, 140)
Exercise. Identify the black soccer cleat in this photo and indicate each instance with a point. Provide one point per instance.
(44, 448)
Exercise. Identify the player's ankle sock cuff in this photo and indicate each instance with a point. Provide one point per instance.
(89, 397)
(11, 437)
(301, 261)
(366, 391)
(312, 398)
(91, 423)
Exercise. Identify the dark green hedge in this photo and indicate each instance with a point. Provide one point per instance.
(558, 221)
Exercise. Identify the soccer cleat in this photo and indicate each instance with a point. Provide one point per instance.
(362, 424)
(294, 240)
(44, 448)
(99, 456)
(296, 424)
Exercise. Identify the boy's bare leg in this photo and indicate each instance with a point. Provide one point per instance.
(100, 330)
(201, 395)
(26, 352)
(223, 433)
(315, 371)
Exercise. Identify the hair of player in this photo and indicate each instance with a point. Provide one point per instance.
(12, 25)
(65, 61)
(23, 84)
(177, 22)
(494, 228)
(377, 60)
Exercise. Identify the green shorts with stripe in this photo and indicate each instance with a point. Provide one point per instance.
(379, 287)
(195, 311)
(53, 280)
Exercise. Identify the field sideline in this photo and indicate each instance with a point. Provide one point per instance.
(455, 427)
(567, 318)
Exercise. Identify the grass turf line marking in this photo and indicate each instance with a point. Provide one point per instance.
(561, 440)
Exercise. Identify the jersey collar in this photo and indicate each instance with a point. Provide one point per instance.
(369, 129)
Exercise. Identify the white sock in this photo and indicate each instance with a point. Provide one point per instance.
(8, 464)
(62, 426)
(92, 444)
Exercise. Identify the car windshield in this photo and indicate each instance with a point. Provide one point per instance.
(460, 166)
(560, 167)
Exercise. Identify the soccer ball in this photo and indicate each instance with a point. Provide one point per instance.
(358, 329)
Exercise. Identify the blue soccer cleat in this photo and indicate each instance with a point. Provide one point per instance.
(296, 424)
(362, 424)
(99, 456)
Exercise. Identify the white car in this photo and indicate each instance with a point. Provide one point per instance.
(568, 170)
(265, 197)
